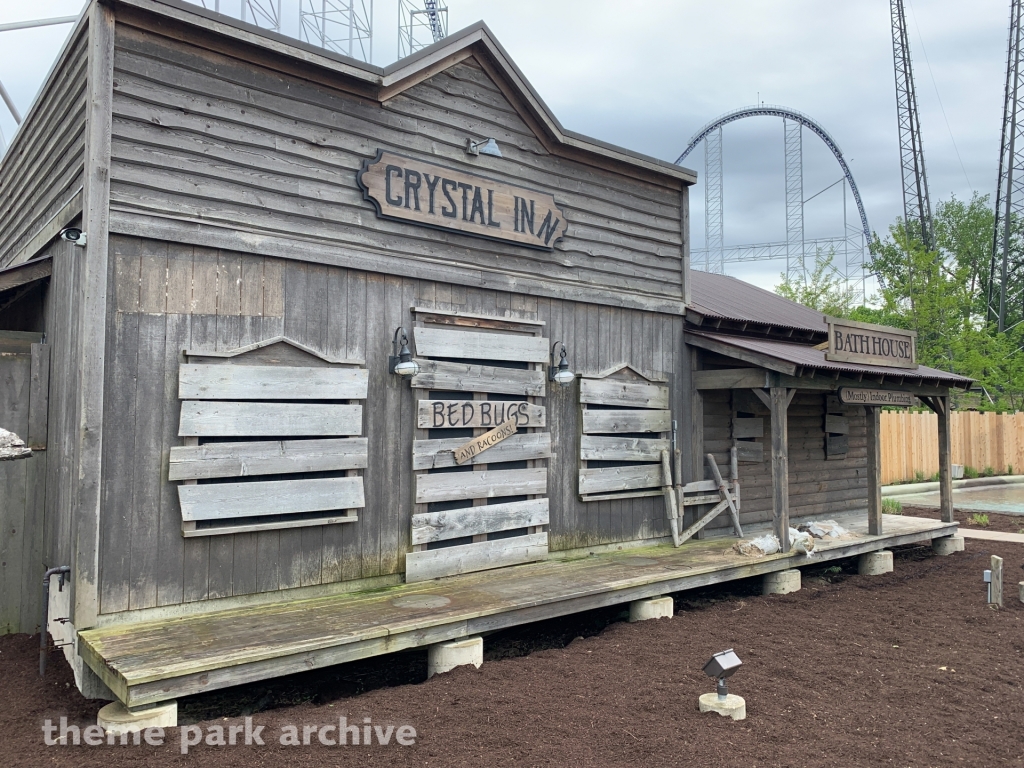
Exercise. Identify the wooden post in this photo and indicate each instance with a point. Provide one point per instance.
(997, 581)
(945, 460)
(874, 419)
(780, 465)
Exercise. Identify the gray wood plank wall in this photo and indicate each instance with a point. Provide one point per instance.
(270, 160)
(43, 167)
(165, 298)
(817, 487)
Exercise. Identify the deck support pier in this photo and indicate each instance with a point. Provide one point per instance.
(781, 582)
(117, 719)
(652, 608)
(444, 657)
(874, 424)
(947, 545)
(875, 563)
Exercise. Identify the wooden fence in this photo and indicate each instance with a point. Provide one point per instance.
(910, 443)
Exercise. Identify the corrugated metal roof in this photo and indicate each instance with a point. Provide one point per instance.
(806, 356)
(731, 299)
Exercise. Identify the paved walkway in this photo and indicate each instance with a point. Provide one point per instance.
(974, 533)
(1004, 499)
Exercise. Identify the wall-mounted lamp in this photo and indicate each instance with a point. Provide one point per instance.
(485, 147)
(401, 361)
(560, 372)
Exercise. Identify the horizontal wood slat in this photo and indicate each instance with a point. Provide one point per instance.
(594, 448)
(607, 479)
(626, 421)
(273, 457)
(218, 530)
(268, 382)
(466, 377)
(435, 454)
(473, 521)
(751, 452)
(837, 425)
(478, 556)
(273, 497)
(445, 414)
(226, 419)
(489, 484)
(748, 427)
(440, 342)
(613, 392)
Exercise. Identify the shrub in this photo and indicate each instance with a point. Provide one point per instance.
(988, 472)
(979, 519)
(891, 507)
(970, 472)
(935, 477)
(1009, 469)
(919, 476)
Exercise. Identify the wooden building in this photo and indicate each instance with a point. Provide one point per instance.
(228, 455)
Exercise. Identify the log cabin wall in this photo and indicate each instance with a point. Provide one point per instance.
(266, 161)
(818, 486)
(166, 297)
(41, 174)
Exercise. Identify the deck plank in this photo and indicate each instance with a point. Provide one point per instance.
(167, 658)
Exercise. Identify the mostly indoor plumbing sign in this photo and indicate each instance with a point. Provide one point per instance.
(431, 195)
(853, 342)
(875, 397)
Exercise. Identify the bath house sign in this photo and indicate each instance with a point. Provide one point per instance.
(431, 195)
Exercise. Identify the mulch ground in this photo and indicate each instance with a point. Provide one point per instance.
(907, 669)
(969, 519)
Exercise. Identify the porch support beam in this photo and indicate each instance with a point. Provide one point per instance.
(941, 406)
(779, 398)
(874, 420)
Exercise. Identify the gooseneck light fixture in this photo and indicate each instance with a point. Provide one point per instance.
(560, 372)
(400, 361)
(486, 147)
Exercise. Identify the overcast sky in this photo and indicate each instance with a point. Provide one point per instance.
(647, 74)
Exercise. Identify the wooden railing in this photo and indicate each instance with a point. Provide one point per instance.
(982, 441)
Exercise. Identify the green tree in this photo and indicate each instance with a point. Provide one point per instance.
(824, 289)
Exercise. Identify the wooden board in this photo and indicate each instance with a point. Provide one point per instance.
(467, 377)
(448, 414)
(750, 452)
(222, 501)
(272, 457)
(614, 392)
(599, 448)
(837, 425)
(837, 444)
(267, 382)
(747, 427)
(607, 479)
(489, 484)
(441, 342)
(279, 525)
(851, 341)
(224, 419)
(478, 556)
(472, 449)
(525, 446)
(473, 521)
(596, 422)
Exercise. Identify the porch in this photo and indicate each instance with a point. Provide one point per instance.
(156, 661)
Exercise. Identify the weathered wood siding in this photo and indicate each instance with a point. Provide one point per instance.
(817, 487)
(213, 150)
(165, 298)
(42, 169)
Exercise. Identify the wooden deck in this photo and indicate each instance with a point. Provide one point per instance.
(159, 660)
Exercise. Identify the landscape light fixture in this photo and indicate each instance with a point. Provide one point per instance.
(987, 578)
(721, 667)
(401, 361)
(560, 372)
(485, 147)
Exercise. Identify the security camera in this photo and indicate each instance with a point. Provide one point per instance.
(73, 235)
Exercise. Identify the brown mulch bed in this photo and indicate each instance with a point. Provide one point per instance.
(907, 669)
(996, 522)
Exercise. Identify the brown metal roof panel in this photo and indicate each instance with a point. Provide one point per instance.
(732, 299)
(807, 356)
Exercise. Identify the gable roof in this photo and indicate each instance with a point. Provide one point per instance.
(721, 297)
(384, 83)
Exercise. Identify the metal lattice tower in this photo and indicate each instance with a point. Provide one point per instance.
(714, 210)
(795, 256)
(1006, 255)
(343, 26)
(420, 23)
(262, 13)
(917, 207)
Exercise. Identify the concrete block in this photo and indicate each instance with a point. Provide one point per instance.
(731, 706)
(781, 582)
(651, 608)
(444, 657)
(1020, 586)
(947, 545)
(875, 563)
(117, 719)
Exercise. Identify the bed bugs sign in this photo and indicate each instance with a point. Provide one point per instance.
(420, 192)
(478, 445)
